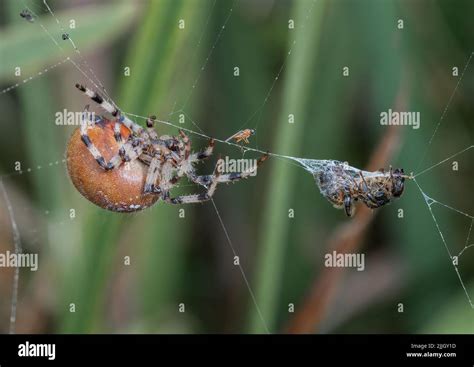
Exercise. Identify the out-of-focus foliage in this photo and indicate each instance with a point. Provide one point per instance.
(28, 46)
(188, 260)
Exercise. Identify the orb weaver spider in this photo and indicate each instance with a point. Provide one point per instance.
(121, 166)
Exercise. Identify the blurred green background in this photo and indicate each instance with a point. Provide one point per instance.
(188, 260)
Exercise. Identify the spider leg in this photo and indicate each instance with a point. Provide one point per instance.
(236, 176)
(166, 180)
(185, 158)
(86, 123)
(208, 181)
(107, 106)
(131, 150)
(128, 151)
(117, 132)
(118, 136)
(205, 180)
(158, 143)
(150, 123)
(145, 158)
(152, 176)
(207, 152)
(196, 198)
(187, 144)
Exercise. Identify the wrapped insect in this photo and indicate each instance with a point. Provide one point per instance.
(343, 185)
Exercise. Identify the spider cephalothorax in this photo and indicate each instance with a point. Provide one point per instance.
(342, 185)
(134, 167)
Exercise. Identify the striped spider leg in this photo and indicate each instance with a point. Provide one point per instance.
(108, 107)
(211, 182)
(127, 151)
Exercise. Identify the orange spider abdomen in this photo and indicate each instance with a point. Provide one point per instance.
(120, 189)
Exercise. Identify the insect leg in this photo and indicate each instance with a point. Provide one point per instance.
(348, 205)
(366, 188)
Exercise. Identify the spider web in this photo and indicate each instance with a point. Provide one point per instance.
(312, 166)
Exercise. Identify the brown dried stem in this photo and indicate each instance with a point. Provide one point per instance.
(346, 238)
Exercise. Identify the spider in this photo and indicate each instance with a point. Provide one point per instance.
(342, 185)
(134, 167)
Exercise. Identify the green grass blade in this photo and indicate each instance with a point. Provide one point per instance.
(151, 89)
(275, 219)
